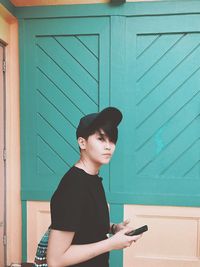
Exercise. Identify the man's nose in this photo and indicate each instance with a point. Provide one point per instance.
(108, 145)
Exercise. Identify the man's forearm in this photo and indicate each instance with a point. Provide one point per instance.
(80, 253)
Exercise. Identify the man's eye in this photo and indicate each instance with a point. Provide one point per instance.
(100, 138)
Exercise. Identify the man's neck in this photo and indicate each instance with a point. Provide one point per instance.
(88, 166)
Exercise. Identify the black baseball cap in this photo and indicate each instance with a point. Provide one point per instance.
(90, 121)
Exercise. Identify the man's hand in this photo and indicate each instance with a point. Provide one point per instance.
(121, 226)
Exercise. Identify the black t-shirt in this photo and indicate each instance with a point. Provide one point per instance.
(79, 205)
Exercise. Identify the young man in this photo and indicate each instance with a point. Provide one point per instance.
(79, 212)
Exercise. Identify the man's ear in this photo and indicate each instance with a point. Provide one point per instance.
(81, 142)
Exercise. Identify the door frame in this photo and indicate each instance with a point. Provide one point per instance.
(3, 45)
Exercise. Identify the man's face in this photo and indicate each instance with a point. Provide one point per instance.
(99, 148)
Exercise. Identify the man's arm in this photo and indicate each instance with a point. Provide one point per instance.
(62, 253)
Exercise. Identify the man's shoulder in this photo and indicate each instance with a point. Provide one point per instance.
(72, 176)
(70, 182)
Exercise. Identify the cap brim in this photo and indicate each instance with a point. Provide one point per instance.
(110, 114)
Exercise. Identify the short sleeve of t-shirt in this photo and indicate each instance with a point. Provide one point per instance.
(67, 203)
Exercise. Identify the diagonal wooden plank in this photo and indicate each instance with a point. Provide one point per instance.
(175, 84)
(194, 171)
(50, 157)
(176, 104)
(70, 66)
(170, 131)
(57, 120)
(189, 46)
(64, 83)
(185, 115)
(144, 42)
(81, 54)
(158, 164)
(58, 97)
(160, 141)
(91, 42)
(171, 98)
(181, 154)
(43, 167)
(185, 163)
(160, 47)
(60, 146)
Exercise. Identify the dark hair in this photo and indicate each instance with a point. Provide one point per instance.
(110, 130)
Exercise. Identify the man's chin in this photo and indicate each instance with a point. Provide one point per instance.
(106, 162)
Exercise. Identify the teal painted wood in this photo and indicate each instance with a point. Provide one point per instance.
(118, 93)
(66, 75)
(116, 216)
(160, 151)
(127, 9)
(147, 42)
(24, 231)
(183, 199)
(56, 50)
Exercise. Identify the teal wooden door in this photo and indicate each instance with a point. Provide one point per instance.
(160, 149)
(65, 76)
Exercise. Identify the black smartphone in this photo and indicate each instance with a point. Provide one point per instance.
(138, 231)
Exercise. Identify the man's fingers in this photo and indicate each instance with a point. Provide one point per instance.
(125, 230)
(127, 221)
(136, 237)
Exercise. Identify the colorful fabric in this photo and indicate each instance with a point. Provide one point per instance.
(41, 253)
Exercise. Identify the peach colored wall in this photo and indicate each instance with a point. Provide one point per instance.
(38, 221)
(9, 34)
(64, 2)
(55, 2)
(4, 27)
(173, 238)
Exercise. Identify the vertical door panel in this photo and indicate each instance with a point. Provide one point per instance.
(160, 151)
(66, 76)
